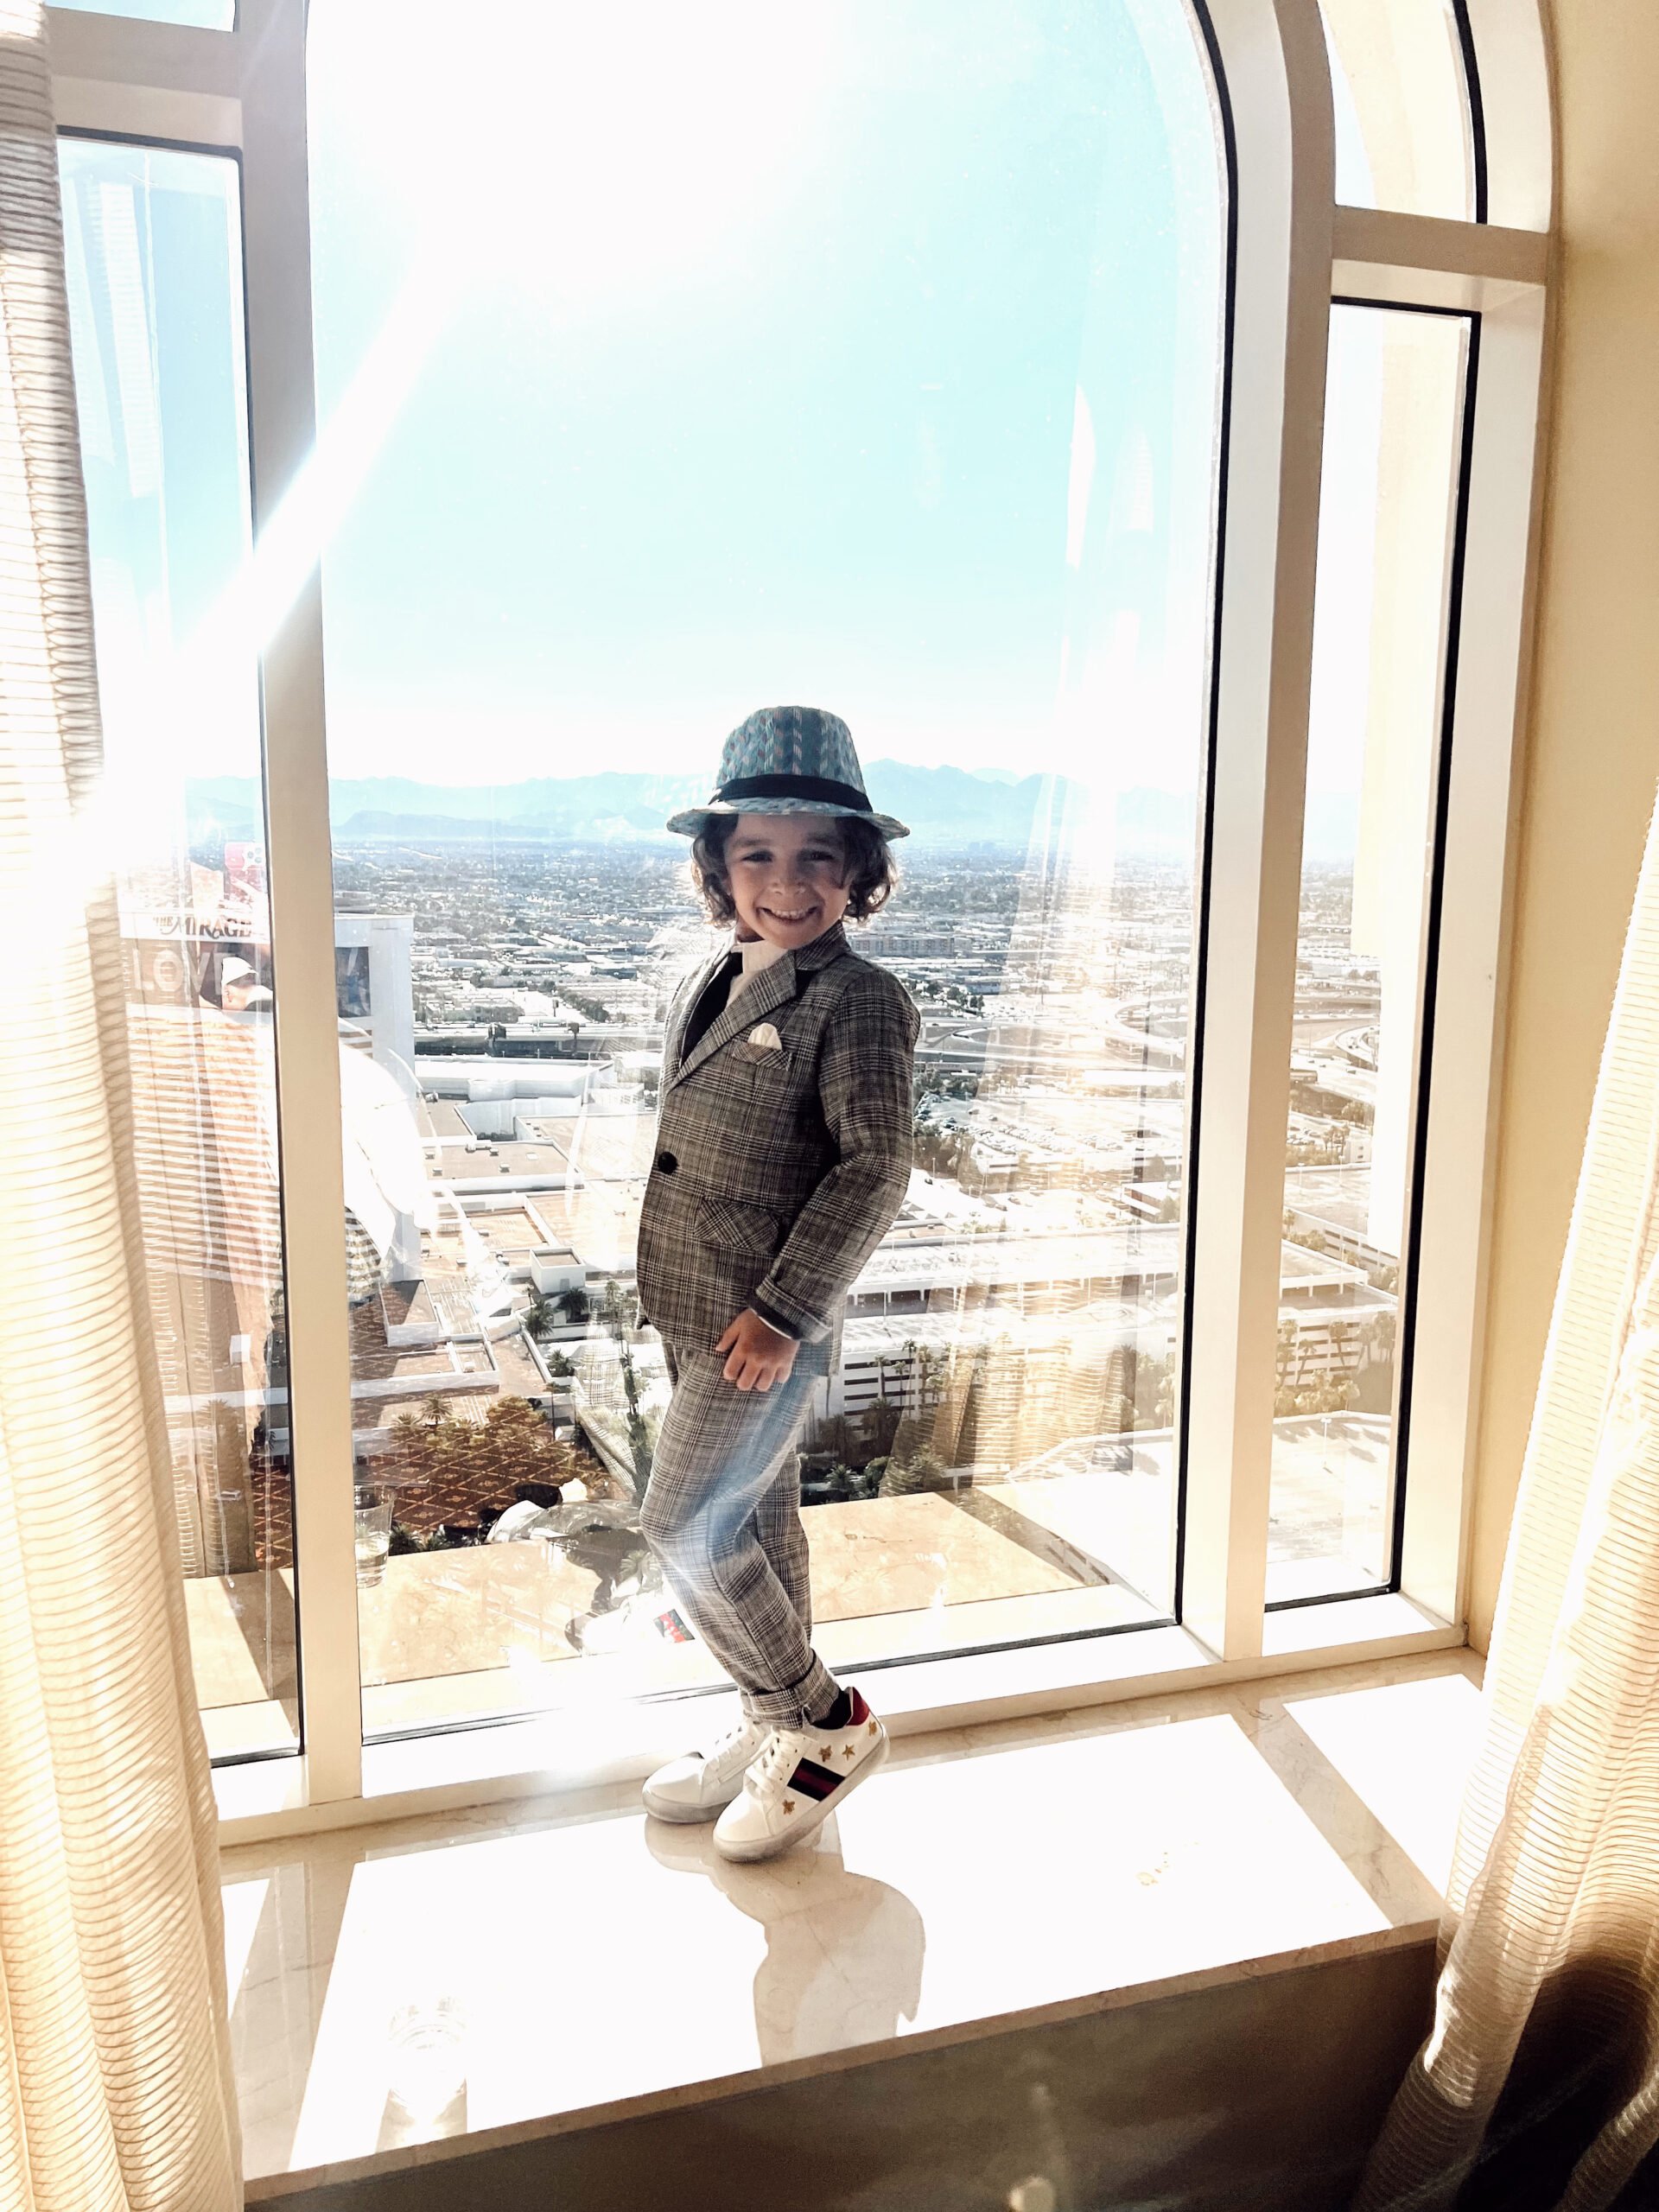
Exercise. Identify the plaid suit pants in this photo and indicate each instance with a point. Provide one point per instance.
(723, 1513)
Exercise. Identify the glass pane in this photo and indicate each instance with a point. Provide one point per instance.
(152, 244)
(1394, 403)
(1403, 139)
(825, 355)
(196, 15)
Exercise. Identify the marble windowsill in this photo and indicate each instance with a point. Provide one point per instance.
(575, 1961)
(619, 1739)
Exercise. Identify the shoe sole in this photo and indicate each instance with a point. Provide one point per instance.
(685, 1816)
(773, 1846)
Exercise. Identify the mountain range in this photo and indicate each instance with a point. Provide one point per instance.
(947, 809)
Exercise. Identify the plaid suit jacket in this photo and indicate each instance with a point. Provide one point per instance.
(778, 1168)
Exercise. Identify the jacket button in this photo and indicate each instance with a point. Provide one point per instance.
(666, 1162)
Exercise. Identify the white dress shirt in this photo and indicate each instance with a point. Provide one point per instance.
(757, 953)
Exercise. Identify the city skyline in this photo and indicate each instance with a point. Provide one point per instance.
(1013, 1347)
(945, 805)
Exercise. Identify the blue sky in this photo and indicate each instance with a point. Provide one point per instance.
(152, 255)
(867, 357)
(802, 420)
(200, 14)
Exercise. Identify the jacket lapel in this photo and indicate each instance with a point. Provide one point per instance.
(770, 989)
(686, 1005)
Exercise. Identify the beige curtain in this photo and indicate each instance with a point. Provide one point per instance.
(1541, 2074)
(115, 2084)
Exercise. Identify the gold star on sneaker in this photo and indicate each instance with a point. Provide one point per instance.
(825, 1751)
(850, 1751)
(871, 1730)
(788, 1805)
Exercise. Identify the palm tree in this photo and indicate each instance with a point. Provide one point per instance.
(620, 1311)
(1285, 1353)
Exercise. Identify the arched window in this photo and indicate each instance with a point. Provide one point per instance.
(911, 408)
(1124, 417)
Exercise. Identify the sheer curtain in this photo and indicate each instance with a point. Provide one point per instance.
(115, 2082)
(1542, 2074)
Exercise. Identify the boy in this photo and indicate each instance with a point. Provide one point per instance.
(783, 1153)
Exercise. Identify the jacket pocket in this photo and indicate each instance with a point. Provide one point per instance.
(732, 1227)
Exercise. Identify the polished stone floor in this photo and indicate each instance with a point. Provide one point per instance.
(397, 1985)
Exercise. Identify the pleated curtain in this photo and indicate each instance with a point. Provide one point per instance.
(115, 2082)
(1539, 2083)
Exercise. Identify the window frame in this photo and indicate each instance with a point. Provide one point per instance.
(1293, 250)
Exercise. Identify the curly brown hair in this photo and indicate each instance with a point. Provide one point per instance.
(871, 873)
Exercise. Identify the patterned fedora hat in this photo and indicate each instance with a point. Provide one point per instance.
(789, 760)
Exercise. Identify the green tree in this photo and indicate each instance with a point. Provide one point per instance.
(926, 1372)
(920, 1470)
(1287, 1350)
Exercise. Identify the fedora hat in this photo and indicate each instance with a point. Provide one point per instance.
(789, 760)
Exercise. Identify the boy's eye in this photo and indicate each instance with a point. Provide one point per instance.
(806, 860)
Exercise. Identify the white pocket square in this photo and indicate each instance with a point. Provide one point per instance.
(767, 1037)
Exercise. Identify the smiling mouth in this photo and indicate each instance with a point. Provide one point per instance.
(777, 914)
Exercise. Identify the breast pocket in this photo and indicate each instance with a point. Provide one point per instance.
(765, 1083)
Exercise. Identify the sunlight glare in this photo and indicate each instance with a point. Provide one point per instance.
(622, 145)
(1406, 1749)
(585, 151)
(244, 1907)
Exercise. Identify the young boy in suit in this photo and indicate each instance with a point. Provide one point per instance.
(783, 1155)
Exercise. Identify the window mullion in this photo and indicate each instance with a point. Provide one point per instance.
(132, 55)
(130, 79)
(286, 604)
(1426, 261)
(1458, 1159)
(1281, 100)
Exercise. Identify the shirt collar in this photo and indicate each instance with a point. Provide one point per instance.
(756, 953)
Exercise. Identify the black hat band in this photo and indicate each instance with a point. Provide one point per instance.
(824, 789)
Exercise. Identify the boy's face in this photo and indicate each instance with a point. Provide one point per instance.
(787, 872)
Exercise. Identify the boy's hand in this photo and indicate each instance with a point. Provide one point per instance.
(758, 1353)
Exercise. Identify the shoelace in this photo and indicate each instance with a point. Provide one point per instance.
(770, 1774)
(723, 1746)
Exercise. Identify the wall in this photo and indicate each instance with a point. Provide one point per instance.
(1593, 749)
(1259, 2094)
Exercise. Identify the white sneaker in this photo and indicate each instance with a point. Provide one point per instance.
(698, 1786)
(799, 1779)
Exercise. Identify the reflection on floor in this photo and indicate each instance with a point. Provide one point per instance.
(504, 1967)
